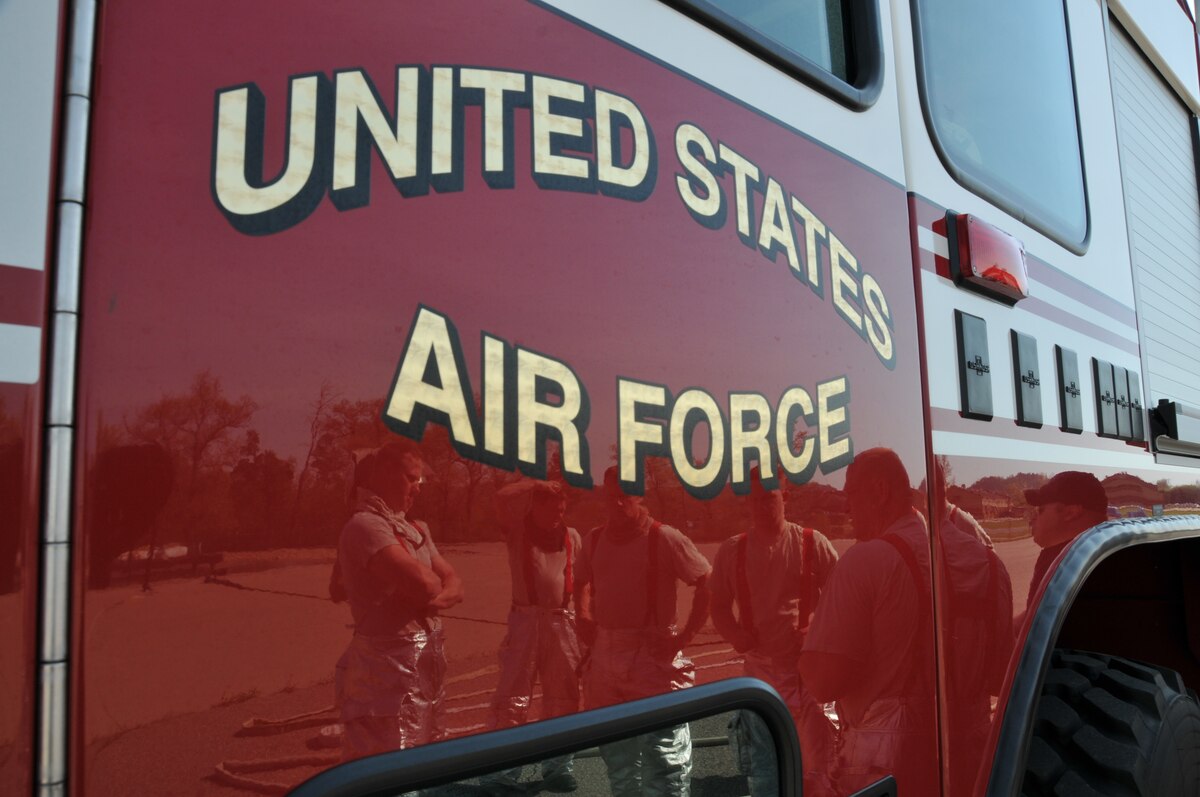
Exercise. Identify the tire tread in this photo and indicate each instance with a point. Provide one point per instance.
(1098, 724)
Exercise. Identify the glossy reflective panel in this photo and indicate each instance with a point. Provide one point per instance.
(20, 419)
(989, 593)
(1029, 519)
(360, 398)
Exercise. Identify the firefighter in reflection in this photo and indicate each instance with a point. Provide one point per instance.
(977, 631)
(541, 644)
(626, 583)
(1063, 508)
(870, 644)
(390, 679)
(949, 514)
(774, 573)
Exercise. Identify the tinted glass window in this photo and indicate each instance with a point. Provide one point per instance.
(811, 28)
(1000, 95)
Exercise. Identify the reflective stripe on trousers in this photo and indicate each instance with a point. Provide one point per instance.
(541, 645)
(390, 692)
(623, 666)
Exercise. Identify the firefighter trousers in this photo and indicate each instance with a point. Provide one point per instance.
(623, 666)
(540, 646)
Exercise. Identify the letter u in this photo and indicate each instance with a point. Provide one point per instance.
(252, 204)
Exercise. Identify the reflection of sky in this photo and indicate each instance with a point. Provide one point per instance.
(612, 287)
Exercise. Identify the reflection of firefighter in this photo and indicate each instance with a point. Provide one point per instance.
(630, 567)
(774, 573)
(390, 679)
(976, 623)
(1063, 508)
(870, 644)
(541, 643)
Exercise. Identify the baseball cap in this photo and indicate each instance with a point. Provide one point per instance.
(1071, 487)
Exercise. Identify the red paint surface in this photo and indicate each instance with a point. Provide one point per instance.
(20, 466)
(182, 313)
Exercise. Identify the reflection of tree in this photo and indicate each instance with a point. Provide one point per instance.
(1009, 489)
(1183, 494)
(321, 408)
(196, 428)
(338, 430)
(261, 487)
(458, 493)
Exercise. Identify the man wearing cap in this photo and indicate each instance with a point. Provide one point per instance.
(626, 584)
(774, 573)
(1064, 507)
(541, 643)
(870, 643)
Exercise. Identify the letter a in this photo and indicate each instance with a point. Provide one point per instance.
(415, 399)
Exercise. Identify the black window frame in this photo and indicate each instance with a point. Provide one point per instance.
(981, 187)
(446, 762)
(865, 57)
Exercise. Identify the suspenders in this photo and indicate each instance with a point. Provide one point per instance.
(807, 581)
(651, 615)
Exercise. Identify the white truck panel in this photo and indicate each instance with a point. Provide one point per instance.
(1163, 31)
(28, 63)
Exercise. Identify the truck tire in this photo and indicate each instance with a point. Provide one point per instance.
(1112, 726)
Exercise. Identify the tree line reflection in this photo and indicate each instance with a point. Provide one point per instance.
(595, 576)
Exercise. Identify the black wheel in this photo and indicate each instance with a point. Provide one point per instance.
(1112, 726)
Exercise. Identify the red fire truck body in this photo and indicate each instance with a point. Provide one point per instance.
(245, 245)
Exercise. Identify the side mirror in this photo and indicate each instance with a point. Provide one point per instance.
(718, 722)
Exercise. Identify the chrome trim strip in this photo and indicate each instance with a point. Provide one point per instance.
(56, 577)
(54, 645)
(57, 528)
(1091, 548)
(82, 54)
(76, 112)
(61, 408)
(52, 755)
(68, 257)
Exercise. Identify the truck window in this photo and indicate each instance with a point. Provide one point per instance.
(999, 97)
(833, 45)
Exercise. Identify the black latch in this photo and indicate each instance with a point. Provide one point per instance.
(974, 369)
(1028, 382)
(1070, 405)
(1106, 399)
(1137, 412)
(1121, 389)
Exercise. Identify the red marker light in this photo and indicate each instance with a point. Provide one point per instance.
(985, 259)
